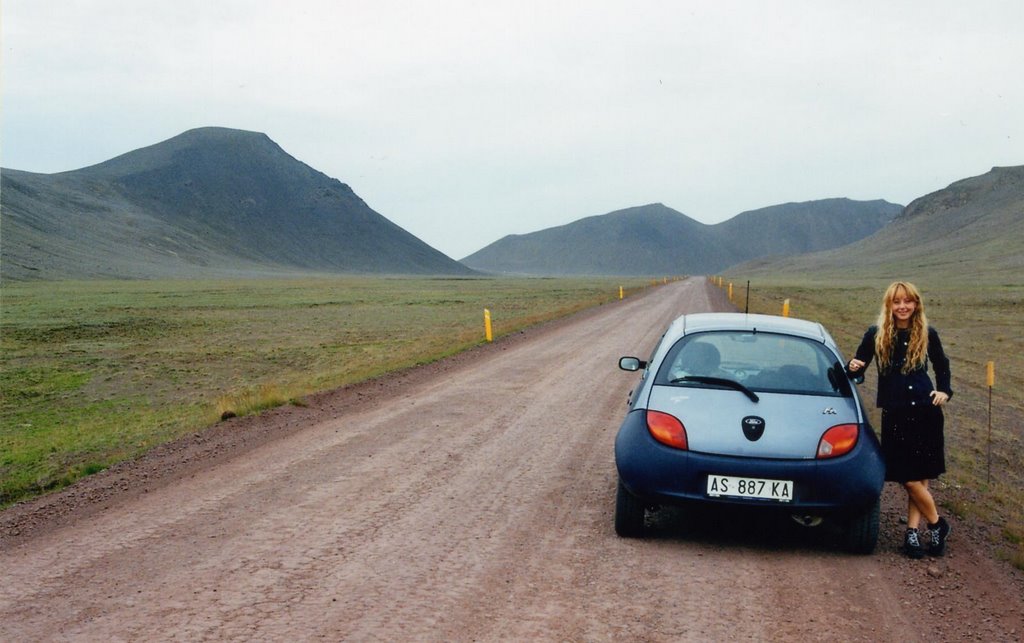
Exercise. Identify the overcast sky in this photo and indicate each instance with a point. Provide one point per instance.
(463, 121)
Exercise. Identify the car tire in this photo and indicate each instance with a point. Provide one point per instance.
(630, 513)
(862, 530)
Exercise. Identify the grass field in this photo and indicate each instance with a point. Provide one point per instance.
(977, 324)
(95, 372)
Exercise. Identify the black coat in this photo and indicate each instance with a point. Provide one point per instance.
(898, 390)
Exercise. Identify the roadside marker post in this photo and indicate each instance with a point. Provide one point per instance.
(730, 291)
(487, 325)
(620, 292)
(785, 308)
(990, 380)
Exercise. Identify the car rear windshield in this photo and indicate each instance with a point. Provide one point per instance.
(765, 362)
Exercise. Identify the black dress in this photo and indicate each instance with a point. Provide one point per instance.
(913, 442)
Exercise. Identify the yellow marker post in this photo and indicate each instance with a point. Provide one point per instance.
(487, 325)
(730, 291)
(620, 292)
(990, 380)
(785, 308)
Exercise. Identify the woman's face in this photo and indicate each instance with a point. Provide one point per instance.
(903, 308)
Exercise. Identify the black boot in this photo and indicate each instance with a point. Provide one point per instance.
(912, 545)
(939, 534)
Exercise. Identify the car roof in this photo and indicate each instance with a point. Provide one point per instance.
(702, 322)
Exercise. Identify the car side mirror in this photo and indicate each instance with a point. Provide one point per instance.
(631, 363)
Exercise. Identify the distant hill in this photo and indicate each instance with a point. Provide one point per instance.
(637, 241)
(212, 202)
(798, 228)
(657, 240)
(969, 231)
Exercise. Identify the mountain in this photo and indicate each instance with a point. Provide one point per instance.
(209, 202)
(972, 230)
(798, 228)
(657, 240)
(643, 240)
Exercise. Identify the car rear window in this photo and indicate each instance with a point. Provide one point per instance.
(765, 362)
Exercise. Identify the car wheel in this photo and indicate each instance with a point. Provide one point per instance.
(862, 530)
(629, 513)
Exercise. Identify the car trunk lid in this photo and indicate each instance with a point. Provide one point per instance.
(726, 422)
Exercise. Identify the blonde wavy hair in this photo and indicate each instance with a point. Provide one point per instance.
(885, 339)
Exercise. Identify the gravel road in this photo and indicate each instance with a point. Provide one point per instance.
(469, 500)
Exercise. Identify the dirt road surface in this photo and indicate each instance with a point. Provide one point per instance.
(469, 500)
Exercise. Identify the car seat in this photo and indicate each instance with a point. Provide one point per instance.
(701, 358)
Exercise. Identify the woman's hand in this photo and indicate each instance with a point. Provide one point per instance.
(939, 398)
(855, 365)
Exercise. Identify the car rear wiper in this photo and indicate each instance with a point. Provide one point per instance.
(720, 381)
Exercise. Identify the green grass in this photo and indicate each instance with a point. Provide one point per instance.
(978, 323)
(92, 373)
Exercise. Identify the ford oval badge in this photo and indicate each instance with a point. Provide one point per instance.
(753, 427)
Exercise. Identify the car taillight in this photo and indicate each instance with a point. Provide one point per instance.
(666, 429)
(838, 440)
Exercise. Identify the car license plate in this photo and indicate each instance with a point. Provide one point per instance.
(739, 487)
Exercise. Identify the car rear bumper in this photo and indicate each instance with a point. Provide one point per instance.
(660, 475)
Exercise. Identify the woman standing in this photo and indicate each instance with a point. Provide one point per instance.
(912, 420)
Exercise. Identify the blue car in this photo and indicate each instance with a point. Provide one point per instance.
(749, 410)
